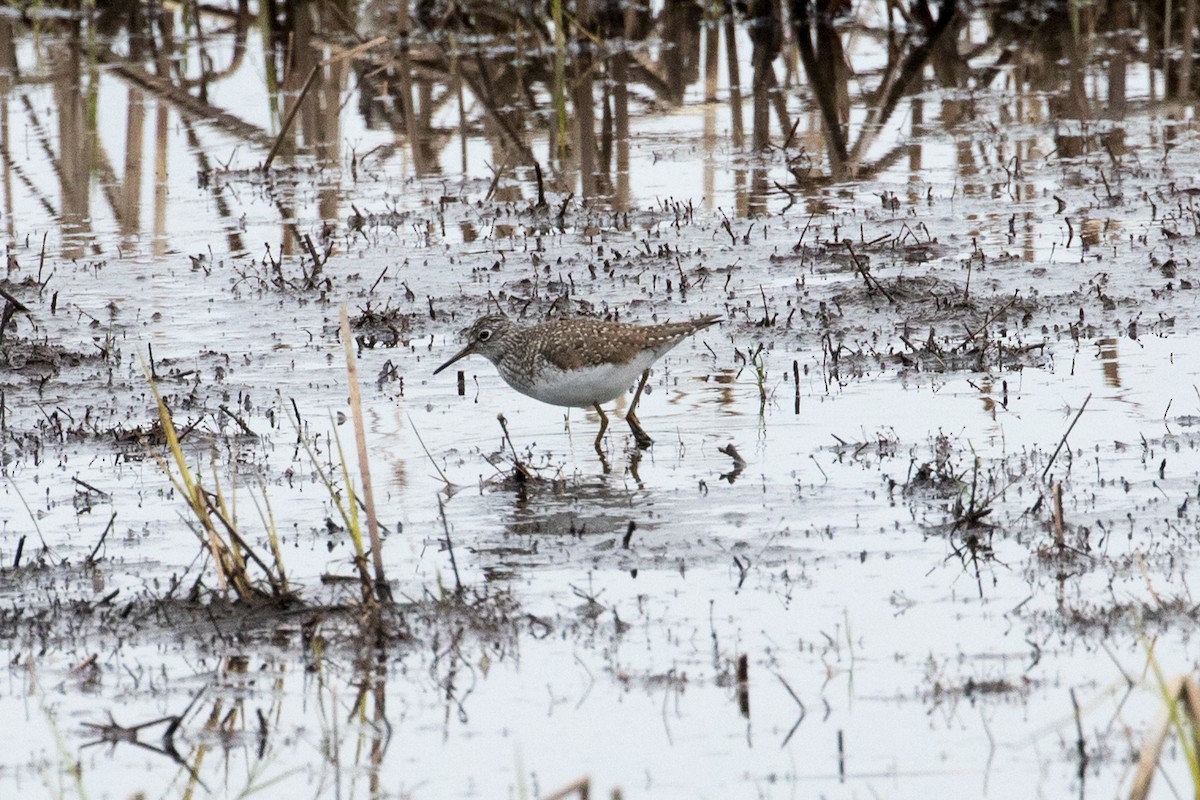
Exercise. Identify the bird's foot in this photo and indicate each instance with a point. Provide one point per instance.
(640, 436)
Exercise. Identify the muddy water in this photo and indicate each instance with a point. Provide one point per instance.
(874, 595)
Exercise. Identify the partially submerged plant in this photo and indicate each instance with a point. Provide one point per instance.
(1181, 700)
(758, 360)
(217, 526)
(347, 503)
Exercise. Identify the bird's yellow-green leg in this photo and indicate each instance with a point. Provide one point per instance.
(640, 436)
(603, 427)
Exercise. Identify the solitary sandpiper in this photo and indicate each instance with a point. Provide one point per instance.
(577, 362)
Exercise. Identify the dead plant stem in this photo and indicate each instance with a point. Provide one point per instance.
(450, 547)
(353, 52)
(1063, 440)
(364, 466)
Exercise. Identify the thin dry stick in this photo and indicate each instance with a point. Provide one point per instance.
(17, 304)
(1063, 440)
(92, 557)
(581, 787)
(291, 115)
(429, 455)
(986, 321)
(237, 570)
(517, 465)
(1059, 533)
(1080, 742)
(867, 277)
(353, 52)
(360, 439)
(450, 546)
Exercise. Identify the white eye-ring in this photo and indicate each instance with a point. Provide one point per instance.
(484, 335)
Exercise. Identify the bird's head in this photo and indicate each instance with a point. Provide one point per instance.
(485, 337)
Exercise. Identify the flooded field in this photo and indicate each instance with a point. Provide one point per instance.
(922, 511)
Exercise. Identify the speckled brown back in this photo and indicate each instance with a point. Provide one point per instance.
(575, 343)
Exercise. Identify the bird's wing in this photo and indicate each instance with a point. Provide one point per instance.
(590, 343)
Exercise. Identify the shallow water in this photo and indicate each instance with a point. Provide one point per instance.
(884, 561)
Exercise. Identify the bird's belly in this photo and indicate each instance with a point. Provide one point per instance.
(584, 386)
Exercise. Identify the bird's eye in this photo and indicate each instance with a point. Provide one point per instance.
(484, 335)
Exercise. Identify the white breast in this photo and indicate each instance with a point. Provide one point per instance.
(588, 385)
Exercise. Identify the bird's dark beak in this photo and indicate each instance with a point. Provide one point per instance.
(466, 351)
